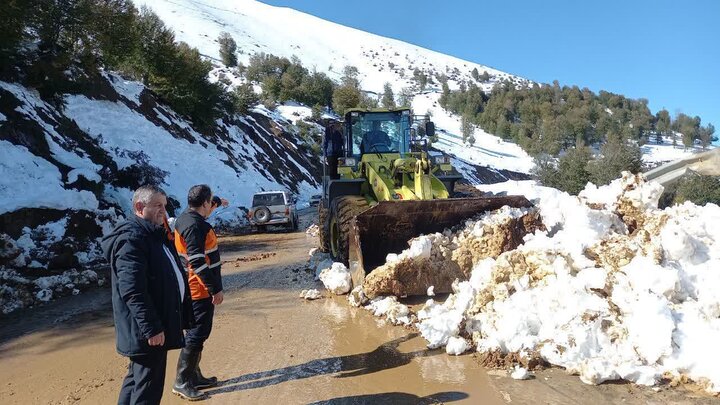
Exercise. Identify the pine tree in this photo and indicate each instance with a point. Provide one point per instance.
(405, 97)
(662, 124)
(467, 127)
(15, 20)
(244, 97)
(388, 98)
(345, 97)
(573, 173)
(705, 134)
(228, 49)
(699, 189)
(617, 155)
(475, 74)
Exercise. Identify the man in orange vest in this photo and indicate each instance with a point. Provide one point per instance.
(197, 246)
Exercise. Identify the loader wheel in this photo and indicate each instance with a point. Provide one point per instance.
(324, 225)
(342, 210)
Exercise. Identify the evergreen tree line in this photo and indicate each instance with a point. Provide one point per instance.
(549, 119)
(282, 79)
(45, 39)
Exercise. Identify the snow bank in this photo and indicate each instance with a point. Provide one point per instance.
(614, 289)
(611, 288)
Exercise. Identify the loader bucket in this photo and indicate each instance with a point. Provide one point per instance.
(388, 226)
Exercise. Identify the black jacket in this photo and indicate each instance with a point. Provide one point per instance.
(145, 291)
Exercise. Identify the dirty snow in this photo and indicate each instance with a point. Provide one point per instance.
(336, 278)
(312, 294)
(591, 296)
(389, 307)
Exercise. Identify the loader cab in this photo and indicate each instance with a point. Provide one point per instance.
(377, 131)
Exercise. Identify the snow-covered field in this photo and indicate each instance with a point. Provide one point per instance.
(614, 288)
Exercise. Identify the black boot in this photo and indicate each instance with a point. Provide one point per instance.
(184, 384)
(201, 381)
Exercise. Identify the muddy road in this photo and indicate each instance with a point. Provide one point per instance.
(269, 346)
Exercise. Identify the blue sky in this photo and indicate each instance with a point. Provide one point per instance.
(665, 51)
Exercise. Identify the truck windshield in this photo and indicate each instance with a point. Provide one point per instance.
(380, 132)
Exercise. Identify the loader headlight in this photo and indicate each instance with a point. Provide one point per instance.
(441, 159)
(348, 161)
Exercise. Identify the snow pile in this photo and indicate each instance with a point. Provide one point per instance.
(520, 373)
(17, 291)
(457, 345)
(391, 309)
(614, 289)
(336, 278)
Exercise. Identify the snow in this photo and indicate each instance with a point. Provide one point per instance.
(88, 174)
(520, 373)
(587, 294)
(336, 278)
(129, 89)
(311, 294)
(456, 346)
(39, 186)
(655, 153)
(419, 249)
(660, 315)
(391, 309)
(323, 46)
(488, 150)
(110, 123)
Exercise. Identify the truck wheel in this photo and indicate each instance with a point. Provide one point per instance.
(342, 210)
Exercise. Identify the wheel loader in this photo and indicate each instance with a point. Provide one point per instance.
(390, 189)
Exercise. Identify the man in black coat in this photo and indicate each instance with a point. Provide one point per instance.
(150, 296)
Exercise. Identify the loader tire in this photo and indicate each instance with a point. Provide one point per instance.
(342, 210)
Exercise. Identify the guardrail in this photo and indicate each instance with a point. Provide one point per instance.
(706, 163)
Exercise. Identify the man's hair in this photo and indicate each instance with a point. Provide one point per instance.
(144, 193)
(198, 195)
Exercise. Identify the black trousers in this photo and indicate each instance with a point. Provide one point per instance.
(204, 311)
(143, 384)
(332, 167)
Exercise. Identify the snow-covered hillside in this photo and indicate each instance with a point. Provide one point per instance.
(329, 47)
(67, 175)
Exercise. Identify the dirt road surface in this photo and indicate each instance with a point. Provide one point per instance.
(270, 347)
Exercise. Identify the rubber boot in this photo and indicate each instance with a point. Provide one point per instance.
(184, 384)
(202, 381)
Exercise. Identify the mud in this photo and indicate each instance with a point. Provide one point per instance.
(452, 257)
